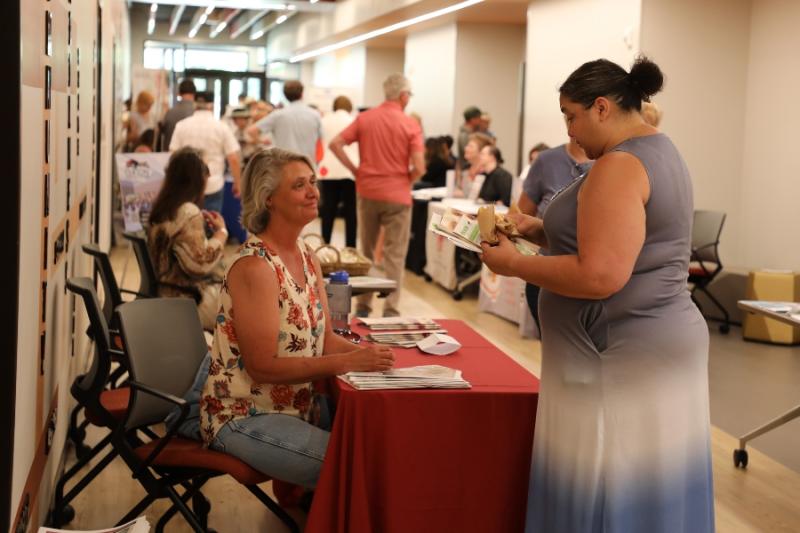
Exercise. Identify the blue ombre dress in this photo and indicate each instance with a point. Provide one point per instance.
(622, 430)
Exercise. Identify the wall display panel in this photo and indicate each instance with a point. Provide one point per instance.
(58, 178)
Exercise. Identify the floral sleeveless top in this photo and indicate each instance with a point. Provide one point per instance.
(230, 393)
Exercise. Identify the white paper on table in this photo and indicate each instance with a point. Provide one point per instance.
(438, 344)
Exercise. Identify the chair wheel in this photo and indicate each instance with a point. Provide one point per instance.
(457, 295)
(724, 328)
(740, 458)
(427, 278)
(65, 515)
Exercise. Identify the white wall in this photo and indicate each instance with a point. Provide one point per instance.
(770, 186)
(380, 63)
(562, 35)
(702, 48)
(430, 60)
(42, 385)
(488, 65)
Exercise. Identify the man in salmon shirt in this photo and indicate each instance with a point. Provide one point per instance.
(390, 147)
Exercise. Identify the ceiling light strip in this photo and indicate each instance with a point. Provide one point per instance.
(151, 20)
(382, 31)
(175, 18)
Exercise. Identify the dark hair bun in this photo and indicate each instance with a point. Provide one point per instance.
(646, 77)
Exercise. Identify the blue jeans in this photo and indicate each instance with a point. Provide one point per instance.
(281, 446)
(214, 201)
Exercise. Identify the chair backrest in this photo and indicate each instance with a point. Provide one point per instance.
(113, 296)
(149, 281)
(706, 229)
(95, 379)
(165, 345)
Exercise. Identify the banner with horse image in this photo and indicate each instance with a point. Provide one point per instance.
(140, 179)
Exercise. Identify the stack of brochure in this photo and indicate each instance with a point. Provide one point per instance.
(399, 323)
(415, 377)
(404, 332)
(462, 230)
(400, 339)
(140, 525)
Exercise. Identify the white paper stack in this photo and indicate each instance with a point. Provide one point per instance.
(140, 525)
(415, 377)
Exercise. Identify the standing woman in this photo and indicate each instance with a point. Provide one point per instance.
(622, 428)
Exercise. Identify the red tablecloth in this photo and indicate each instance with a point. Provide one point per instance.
(416, 461)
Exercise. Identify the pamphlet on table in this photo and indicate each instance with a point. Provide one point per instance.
(416, 377)
(140, 525)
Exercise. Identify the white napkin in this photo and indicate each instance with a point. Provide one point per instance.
(438, 344)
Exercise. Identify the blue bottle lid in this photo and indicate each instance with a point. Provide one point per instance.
(340, 276)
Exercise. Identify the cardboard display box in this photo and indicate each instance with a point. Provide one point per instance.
(777, 286)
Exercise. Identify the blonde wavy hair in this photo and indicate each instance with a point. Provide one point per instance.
(260, 180)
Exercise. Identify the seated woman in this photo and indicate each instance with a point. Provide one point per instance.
(472, 153)
(437, 163)
(273, 336)
(497, 185)
(187, 261)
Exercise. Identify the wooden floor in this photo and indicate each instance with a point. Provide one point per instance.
(763, 498)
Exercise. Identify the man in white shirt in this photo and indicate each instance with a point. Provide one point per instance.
(216, 142)
(336, 182)
(296, 127)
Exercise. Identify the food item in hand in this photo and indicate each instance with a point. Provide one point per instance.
(487, 223)
(506, 226)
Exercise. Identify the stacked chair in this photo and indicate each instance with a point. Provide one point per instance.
(149, 284)
(103, 407)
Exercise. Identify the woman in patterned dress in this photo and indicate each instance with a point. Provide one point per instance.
(273, 337)
(622, 439)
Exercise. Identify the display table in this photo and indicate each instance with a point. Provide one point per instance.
(440, 253)
(790, 314)
(505, 297)
(431, 460)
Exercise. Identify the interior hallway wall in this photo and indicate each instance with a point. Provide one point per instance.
(430, 64)
(562, 35)
(705, 64)
(380, 63)
(489, 58)
(58, 213)
(770, 186)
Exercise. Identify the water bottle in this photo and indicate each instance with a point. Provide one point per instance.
(339, 293)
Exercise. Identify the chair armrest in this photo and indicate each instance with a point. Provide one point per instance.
(135, 293)
(163, 441)
(118, 353)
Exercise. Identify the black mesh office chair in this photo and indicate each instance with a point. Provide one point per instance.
(705, 262)
(164, 357)
(102, 407)
(149, 284)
